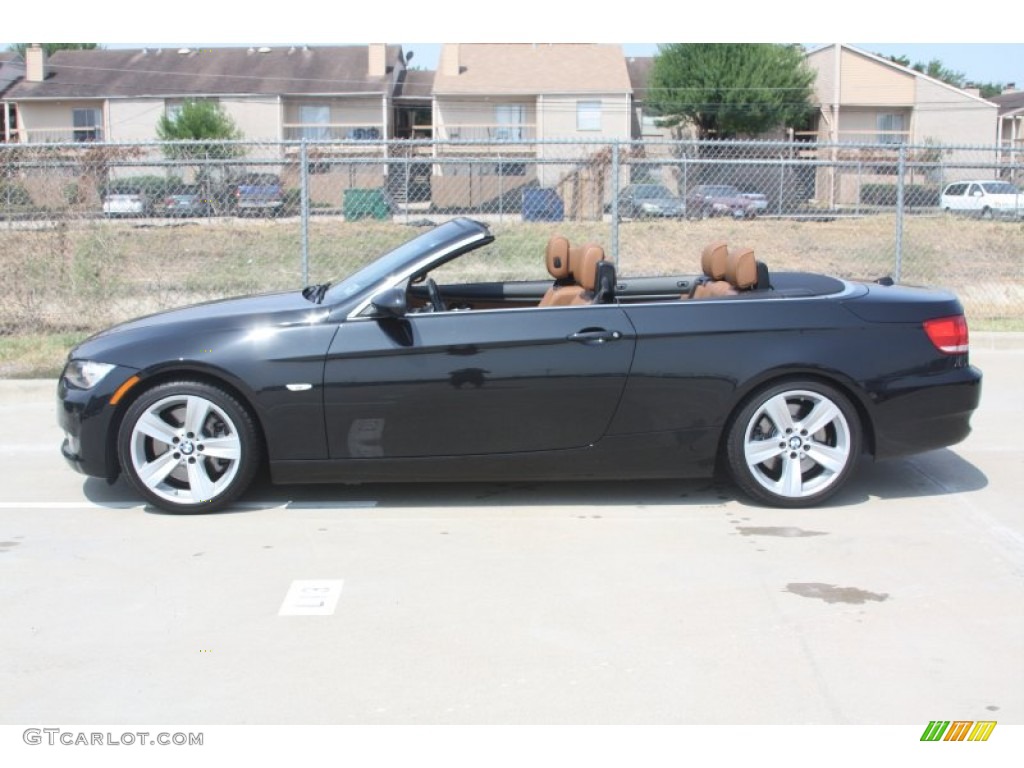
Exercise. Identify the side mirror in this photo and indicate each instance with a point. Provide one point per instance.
(390, 303)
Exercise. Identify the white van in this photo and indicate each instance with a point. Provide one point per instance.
(985, 198)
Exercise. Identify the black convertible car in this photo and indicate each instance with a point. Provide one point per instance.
(780, 379)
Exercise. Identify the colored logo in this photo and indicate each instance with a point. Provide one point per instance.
(958, 730)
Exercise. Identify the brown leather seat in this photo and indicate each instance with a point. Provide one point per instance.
(741, 269)
(713, 261)
(586, 272)
(558, 258)
(569, 266)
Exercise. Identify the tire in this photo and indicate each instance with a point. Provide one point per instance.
(986, 214)
(794, 444)
(188, 447)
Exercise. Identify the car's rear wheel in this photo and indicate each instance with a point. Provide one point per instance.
(188, 447)
(794, 444)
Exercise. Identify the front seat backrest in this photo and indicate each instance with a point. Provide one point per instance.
(558, 259)
(586, 272)
(741, 269)
(713, 261)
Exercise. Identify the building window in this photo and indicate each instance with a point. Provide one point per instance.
(315, 122)
(509, 119)
(890, 128)
(588, 115)
(88, 124)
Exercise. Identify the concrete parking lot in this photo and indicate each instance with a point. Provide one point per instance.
(665, 602)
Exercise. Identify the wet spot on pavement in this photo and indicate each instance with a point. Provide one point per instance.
(830, 593)
(786, 531)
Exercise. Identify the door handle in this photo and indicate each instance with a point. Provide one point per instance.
(594, 336)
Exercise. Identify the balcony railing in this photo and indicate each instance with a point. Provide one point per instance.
(56, 135)
(333, 132)
(505, 132)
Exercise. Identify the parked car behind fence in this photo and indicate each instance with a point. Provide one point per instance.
(986, 199)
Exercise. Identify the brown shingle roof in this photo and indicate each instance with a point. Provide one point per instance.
(1009, 102)
(208, 71)
(531, 68)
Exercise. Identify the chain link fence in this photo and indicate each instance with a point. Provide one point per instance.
(94, 233)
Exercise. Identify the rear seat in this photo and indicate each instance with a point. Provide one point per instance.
(729, 272)
(713, 261)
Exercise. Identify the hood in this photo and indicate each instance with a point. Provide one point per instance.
(179, 332)
(219, 311)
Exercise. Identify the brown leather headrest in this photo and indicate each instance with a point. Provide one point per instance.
(585, 270)
(557, 257)
(741, 268)
(712, 260)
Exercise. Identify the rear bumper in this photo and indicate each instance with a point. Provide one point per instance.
(922, 413)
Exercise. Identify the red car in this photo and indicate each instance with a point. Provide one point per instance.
(721, 200)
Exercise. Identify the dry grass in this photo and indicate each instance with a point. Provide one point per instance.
(60, 283)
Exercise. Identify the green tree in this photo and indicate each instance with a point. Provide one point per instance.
(205, 126)
(52, 48)
(935, 68)
(729, 90)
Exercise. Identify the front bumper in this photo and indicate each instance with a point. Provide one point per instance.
(89, 423)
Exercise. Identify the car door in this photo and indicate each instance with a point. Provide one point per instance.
(463, 383)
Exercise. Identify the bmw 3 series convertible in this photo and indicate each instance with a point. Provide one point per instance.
(423, 367)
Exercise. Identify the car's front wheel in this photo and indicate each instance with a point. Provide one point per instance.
(188, 447)
(794, 444)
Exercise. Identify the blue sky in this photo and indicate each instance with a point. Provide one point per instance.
(987, 47)
(999, 63)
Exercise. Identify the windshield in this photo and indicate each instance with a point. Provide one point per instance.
(652, 190)
(394, 261)
(1000, 188)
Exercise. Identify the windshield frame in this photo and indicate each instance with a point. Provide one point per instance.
(405, 260)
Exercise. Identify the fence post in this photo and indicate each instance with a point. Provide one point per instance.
(900, 210)
(501, 190)
(615, 204)
(408, 170)
(304, 209)
(782, 180)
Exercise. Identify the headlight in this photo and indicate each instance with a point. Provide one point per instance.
(86, 374)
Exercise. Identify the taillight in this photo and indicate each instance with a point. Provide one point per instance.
(948, 334)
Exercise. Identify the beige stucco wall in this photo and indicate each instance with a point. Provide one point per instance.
(866, 81)
(134, 119)
(258, 117)
(557, 117)
(950, 117)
